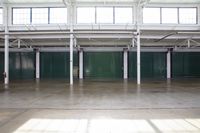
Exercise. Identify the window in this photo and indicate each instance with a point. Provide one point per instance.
(58, 15)
(151, 15)
(85, 15)
(105, 15)
(39, 15)
(21, 16)
(1, 16)
(169, 15)
(123, 15)
(187, 15)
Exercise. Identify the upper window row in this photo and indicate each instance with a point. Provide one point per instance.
(170, 15)
(1, 16)
(39, 15)
(106, 15)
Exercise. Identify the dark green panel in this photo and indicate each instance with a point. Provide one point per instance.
(159, 65)
(102, 65)
(1, 65)
(132, 65)
(28, 65)
(185, 64)
(55, 65)
(21, 65)
(147, 62)
(153, 65)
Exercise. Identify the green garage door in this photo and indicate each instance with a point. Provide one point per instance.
(21, 65)
(55, 65)
(185, 64)
(1, 65)
(103, 65)
(153, 65)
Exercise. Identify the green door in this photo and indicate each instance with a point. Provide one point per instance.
(153, 65)
(103, 65)
(21, 65)
(55, 65)
(185, 64)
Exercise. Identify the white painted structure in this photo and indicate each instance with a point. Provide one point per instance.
(115, 36)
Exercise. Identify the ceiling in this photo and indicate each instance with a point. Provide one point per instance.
(59, 1)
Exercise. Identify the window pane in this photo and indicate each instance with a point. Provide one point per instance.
(58, 15)
(21, 15)
(40, 15)
(123, 15)
(105, 15)
(1, 16)
(85, 15)
(187, 15)
(169, 15)
(151, 15)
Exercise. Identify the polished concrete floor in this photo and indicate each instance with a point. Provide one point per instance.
(53, 106)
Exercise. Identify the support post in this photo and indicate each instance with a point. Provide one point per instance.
(125, 63)
(37, 64)
(6, 48)
(71, 8)
(138, 57)
(169, 64)
(81, 64)
(71, 59)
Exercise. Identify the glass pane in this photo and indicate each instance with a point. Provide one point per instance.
(21, 16)
(151, 15)
(187, 15)
(58, 15)
(105, 15)
(1, 16)
(123, 15)
(85, 15)
(169, 15)
(40, 15)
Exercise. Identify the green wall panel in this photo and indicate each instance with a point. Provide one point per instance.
(103, 65)
(185, 64)
(55, 65)
(1, 65)
(153, 65)
(21, 65)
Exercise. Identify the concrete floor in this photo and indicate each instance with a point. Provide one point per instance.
(53, 106)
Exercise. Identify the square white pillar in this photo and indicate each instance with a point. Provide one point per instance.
(169, 64)
(125, 63)
(37, 64)
(138, 57)
(81, 64)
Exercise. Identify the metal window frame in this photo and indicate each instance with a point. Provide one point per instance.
(114, 12)
(12, 16)
(189, 8)
(159, 15)
(85, 7)
(105, 7)
(169, 8)
(40, 8)
(1, 8)
(49, 12)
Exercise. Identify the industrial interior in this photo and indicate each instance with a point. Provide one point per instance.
(99, 66)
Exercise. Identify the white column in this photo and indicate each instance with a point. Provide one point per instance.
(71, 59)
(169, 64)
(6, 43)
(138, 57)
(37, 64)
(81, 64)
(71, 42)
(125, 64)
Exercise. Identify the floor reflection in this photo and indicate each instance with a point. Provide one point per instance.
(37, 125)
